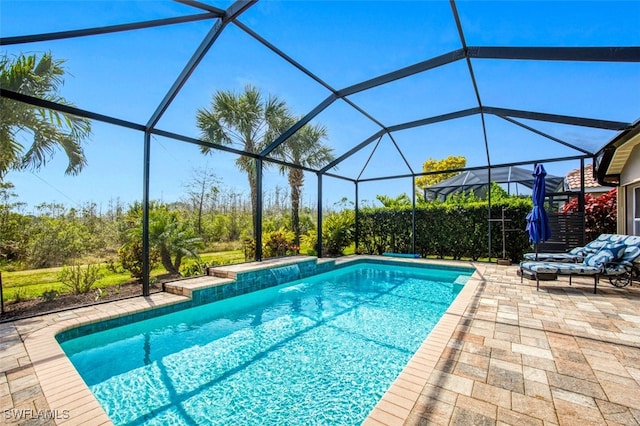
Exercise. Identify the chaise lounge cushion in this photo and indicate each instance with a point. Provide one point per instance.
(600, 242)
(631, 252)
(579, 269)
(560, 268)
(540, 267)
(616, 249)
(607, 254)
(556, 257)
(578, 254)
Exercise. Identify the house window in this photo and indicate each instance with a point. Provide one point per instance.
(636, 210)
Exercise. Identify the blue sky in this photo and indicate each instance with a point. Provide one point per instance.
(127, 74)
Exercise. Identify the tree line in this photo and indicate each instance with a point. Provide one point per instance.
(204, 220)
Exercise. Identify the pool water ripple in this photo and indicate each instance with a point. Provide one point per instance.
(321, 350)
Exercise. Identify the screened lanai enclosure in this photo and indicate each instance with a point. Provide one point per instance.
(374, 89)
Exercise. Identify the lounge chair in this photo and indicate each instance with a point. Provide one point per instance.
(577, 254)
(615, 260)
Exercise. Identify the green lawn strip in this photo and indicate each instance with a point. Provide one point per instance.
(222, 257)
(32, 283)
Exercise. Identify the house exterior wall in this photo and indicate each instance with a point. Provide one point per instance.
(628, 194)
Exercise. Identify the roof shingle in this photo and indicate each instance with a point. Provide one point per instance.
(573, 179)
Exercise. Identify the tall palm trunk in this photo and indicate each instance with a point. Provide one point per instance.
(253, 185)
(200, 206)
(296, 180)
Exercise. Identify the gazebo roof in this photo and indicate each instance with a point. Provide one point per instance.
(476, 179)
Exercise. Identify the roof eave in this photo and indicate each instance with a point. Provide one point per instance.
(610, 159)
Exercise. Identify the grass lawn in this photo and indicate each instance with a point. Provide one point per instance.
(32, 283)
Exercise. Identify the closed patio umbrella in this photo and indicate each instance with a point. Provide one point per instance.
(537, 220)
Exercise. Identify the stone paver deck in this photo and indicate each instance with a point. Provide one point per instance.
(518, 356)
(503, 353)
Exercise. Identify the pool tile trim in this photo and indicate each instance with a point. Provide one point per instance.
(242, 279)
(74, 404)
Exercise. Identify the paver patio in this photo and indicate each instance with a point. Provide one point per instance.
(503, 354)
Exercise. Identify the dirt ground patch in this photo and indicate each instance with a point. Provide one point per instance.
(38, 306)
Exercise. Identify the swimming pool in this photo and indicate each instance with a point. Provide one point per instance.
(319, 350)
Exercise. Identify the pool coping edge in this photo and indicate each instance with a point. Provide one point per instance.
(402, 396)
(74, 404)
(68, 397)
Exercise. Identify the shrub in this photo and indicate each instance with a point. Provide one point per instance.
(193, 270)
(387, 230)
(456, 230)
(78, 279)
(172, 236)
(53, 241)
(338, 232)
(600, 213)
(309, 243)
(12, 251)
(249, 246)
(49, 295)
(278, 243)
(114, 267)
(130, 256)
(274, 244)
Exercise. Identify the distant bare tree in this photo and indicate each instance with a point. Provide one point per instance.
(202, 190)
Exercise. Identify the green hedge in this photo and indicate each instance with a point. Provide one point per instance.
(446, 230)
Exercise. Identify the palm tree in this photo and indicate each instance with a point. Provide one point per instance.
(244, 119)
(172, 237)
(50, 130)
(304, 148)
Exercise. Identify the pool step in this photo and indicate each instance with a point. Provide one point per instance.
(222, 282)
(232, 271)
(188, 286)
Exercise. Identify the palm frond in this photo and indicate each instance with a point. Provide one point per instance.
(41, 78)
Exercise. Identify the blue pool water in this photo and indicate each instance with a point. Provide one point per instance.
(319, 350)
